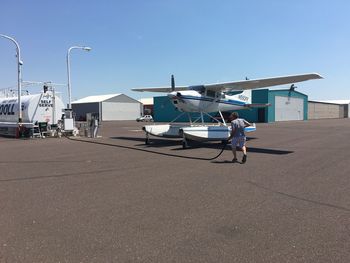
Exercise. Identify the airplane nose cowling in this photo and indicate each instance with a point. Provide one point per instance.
(175, 98)
(173, 95)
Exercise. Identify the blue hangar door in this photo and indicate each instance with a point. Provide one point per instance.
(289, 108)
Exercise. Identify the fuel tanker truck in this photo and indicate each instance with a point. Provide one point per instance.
(38, 110)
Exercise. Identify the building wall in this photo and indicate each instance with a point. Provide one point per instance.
(81, 109)
(119, 107)
(320, 110)
(267, 114)
(112, 111)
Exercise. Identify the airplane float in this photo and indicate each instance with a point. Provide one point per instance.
(209, 98)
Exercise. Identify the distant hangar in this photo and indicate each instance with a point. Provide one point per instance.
(110, 107)
(329, 109)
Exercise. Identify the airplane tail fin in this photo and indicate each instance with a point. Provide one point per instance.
(244, 96)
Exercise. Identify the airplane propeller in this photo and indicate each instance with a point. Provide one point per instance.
(178, 94)
(172, 83)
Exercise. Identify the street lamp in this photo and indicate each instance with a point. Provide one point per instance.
(19, 78)
(68, 72)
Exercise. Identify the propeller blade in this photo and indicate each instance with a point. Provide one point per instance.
(172, 83)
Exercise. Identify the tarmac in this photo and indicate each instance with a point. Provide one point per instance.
(123, 201)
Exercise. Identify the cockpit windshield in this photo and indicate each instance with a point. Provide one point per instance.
(199, 88)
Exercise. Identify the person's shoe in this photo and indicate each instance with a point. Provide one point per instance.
(234, 160)
(244, 159)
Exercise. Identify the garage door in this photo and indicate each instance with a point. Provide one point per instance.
(289, 108)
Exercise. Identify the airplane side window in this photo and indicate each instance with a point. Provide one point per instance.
(211, 93)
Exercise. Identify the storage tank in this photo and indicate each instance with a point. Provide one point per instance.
(43, 107)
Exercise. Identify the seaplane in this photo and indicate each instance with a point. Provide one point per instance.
(212, 98)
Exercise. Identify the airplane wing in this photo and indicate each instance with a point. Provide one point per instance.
(261, 83)
(241, 85)
(161, 89)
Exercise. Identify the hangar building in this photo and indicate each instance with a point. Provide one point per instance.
(329, 109)
(285, 105)
(109, 107)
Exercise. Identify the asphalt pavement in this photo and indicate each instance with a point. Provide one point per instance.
(115, 199)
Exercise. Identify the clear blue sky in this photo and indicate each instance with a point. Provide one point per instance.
(141, 43)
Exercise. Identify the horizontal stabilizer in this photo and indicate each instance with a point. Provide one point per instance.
(250, 128)
(258, 105)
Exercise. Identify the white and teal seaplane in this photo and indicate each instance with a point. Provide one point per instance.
(212, 98)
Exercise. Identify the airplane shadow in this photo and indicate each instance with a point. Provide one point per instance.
(268, 151)
(154, 142)
(157, 143)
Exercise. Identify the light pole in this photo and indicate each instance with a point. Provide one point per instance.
(68, 72)
(19, 78)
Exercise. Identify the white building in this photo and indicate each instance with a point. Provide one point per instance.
(109, 107)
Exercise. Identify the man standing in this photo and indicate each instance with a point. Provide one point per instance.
(237, 136)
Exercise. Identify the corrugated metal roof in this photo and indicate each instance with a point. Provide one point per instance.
(98, 98)
(334, 101)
